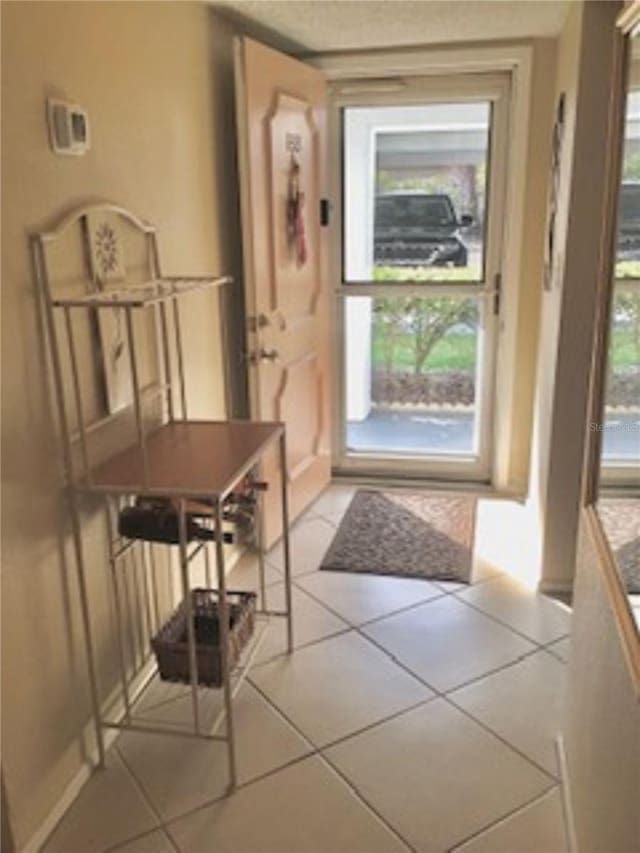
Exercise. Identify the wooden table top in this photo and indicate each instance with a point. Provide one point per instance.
(190, 458)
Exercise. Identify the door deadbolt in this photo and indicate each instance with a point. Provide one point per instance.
(261, 321)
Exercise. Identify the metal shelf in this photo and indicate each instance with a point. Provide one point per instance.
(142, 295)
(186, 458)
(178, 458)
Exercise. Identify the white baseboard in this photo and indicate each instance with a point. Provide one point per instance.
(71, 792)
(567, 800)
(555, 587)
(113, 707)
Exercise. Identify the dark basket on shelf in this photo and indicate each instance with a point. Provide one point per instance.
(170, 643)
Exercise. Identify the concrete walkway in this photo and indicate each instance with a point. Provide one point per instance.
(432, 432)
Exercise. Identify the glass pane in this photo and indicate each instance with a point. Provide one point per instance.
(412, 381)
(415, 192)
(621, 439)
(628, 244)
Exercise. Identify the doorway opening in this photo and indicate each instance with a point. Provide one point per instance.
(422, 197)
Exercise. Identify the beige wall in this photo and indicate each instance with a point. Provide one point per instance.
(601, 730)
(568, 311)
(155, 79)
(530, 284)
(566, 80)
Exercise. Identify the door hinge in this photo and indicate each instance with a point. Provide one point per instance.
(497, 294)
(324, 212)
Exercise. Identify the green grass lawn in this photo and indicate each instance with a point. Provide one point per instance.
(458, 352)
(628, 269)
(408, 274)
(624, 350)
(455, 352)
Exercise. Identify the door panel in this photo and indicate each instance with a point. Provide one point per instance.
(281, 107)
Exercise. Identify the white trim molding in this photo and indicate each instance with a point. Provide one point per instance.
(567, 801)
(376, 72)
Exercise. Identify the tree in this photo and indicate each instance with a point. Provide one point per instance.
(429, 320)
(389, 321)
(424, 320)
(626, 312)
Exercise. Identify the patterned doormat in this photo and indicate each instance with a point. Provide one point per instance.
(411, 535)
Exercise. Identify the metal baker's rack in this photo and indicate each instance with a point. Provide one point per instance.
(176, 458)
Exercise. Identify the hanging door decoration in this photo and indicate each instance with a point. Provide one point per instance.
(296, 237)
(552, 261)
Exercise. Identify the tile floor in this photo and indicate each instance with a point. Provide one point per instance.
(412, 716)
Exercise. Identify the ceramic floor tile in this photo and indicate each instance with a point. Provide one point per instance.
(523, 704)
(311, 622)
(180, 773)
(360, 598)
(245, 575)
(561, 649)
(178, 712)
(309, 540)
(153, 842)
(158, 693)
(450, 586)
(337, 686)
(109, 810)
(171, 703)
(436, 776)
(334, 502)
(447, 643)
(537, 828)
(305, 808)
(482, 570)
(532, 614)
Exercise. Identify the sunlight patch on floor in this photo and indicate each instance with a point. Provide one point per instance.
(508, 539)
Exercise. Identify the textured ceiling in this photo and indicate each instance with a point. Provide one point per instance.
(310, 26)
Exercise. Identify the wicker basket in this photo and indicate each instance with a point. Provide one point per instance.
(170, 643)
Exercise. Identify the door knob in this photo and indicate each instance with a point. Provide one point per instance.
(268, 354)
(262, 355)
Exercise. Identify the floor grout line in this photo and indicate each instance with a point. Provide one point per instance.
(140, 788)
(437, 695)
(320, 750)
(537, 647)
(505, 817)
(357, 793)
(446, 696)
(501, 622)
(313, 752)
(549, 648)
(367, 622)
(503, 740)
(277, 655)
(160, 828)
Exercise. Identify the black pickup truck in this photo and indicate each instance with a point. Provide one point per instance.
(629, 222)
(414, 228)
